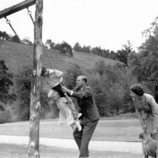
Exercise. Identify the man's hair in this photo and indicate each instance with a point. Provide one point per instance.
(84, 78)
(137, 89)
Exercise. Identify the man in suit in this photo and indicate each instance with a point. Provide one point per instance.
(90, 115)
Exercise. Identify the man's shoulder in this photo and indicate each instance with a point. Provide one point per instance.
(87, 87)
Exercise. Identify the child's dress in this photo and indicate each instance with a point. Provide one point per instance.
(66, 113)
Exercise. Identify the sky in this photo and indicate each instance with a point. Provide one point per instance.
(105, 23)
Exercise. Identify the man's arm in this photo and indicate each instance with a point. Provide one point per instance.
(86, 92)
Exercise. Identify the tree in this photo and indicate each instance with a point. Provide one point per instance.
(71, 74)
(64, 48)
(50, 44)
(16, 39)
(97, 51)
(110, 84)
(23, 86)
(86, 49)
(122, 55)
(144, 64)
(5, 84)
(134, 63)
(77, 47)
(27, 41)
(100, 67)
(4, 35)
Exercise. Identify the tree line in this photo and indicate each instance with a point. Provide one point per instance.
(120, 55)
(67, 49)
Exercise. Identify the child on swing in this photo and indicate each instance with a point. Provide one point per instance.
(68, 114)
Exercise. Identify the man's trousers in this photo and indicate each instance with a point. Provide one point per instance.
(84, 136)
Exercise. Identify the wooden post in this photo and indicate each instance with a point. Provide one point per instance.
(35, 106)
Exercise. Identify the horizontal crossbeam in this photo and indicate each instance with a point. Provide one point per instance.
(16, 8)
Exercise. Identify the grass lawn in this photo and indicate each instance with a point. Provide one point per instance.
(14, 151)
(113, 130)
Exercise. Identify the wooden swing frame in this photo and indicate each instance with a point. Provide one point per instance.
(35, 106)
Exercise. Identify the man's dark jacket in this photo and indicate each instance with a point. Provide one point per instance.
(86, 103)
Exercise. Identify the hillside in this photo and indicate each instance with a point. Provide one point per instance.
(16, 56)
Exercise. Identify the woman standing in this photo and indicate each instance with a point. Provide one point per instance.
(146, 109)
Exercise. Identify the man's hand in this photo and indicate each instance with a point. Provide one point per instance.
(66, 90)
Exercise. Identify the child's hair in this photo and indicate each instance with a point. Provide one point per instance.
(59, 90)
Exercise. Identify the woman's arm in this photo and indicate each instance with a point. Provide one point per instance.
(151, 103)
(140, 118)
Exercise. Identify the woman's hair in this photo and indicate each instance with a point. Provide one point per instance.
(59, 90)
(137, 89)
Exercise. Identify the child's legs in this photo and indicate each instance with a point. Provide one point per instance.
(66, 111)
(62, 114)
(73, 110)
(71, 105)
(69, 116)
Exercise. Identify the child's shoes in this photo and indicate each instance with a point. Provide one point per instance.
(79, 115)
(73, 125)
(78, 125)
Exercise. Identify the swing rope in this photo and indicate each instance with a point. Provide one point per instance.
(9, 23)
(30, 14)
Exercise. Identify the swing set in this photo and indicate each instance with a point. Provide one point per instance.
(35, 106)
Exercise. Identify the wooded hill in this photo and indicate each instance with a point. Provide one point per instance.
(110, 81)
(16, 56)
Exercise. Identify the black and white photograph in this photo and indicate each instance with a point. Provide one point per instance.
(79, 79)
